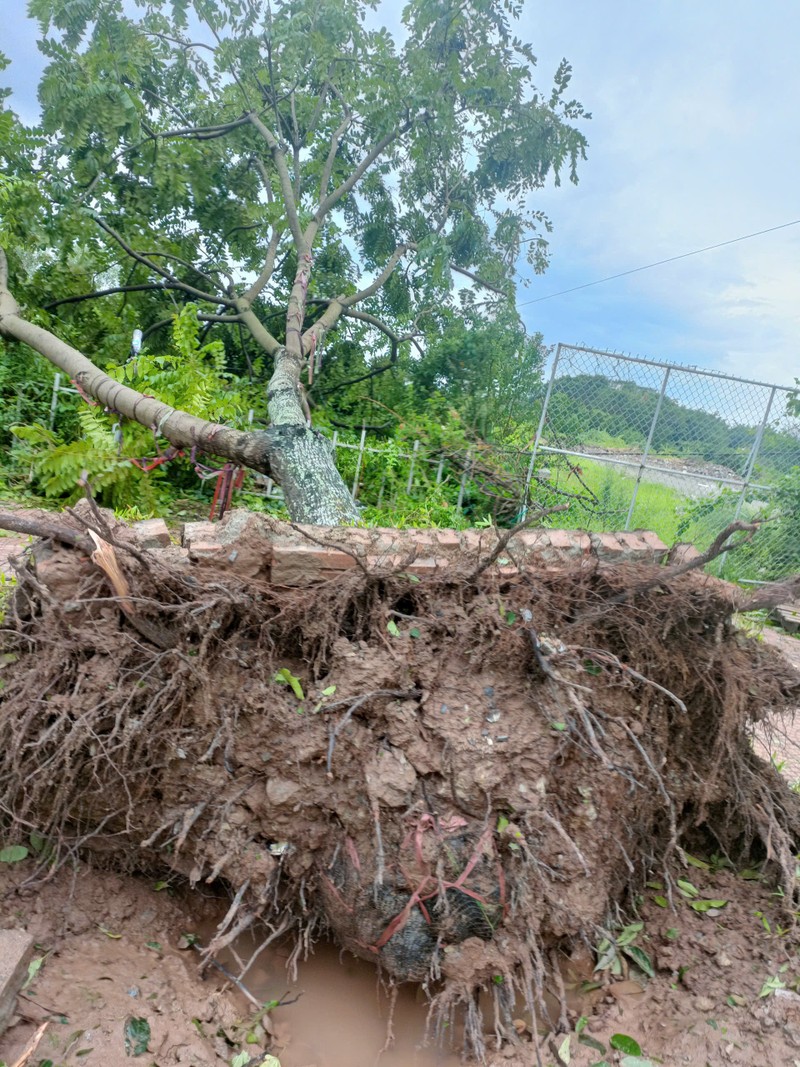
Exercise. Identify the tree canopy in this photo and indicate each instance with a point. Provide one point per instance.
(300, 178)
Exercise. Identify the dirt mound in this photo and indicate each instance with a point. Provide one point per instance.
(460, 778)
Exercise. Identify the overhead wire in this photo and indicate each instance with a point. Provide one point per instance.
(660, 263)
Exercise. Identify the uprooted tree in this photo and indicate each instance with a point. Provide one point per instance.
(463, 777)
(288, 169)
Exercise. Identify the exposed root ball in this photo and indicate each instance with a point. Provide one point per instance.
(456, 796)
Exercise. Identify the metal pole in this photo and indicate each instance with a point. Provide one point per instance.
(439, 470)
(54, 401)
(462, 487)
(537, 439)
(411, 468)
(646, 453)
(751, 459)
(354, 490)
(748, 472)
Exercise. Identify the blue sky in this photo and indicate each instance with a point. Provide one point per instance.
(694, 140)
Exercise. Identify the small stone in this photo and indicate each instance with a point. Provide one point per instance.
(723, 960)
(704, 1003)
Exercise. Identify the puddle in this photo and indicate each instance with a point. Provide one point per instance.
(341, 1018)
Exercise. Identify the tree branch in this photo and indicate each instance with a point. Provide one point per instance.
(478, 279)
(285, 178)
(24, 524)
(327, 170)
(111, 291)
(380, 281)
(268, 268)
(250, 449)
(176, 283)
(258, 330)
(201, 133)
(377, 149)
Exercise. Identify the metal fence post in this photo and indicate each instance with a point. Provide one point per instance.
(751, 459)
(54, 401)
(354, 490)
(463, 485)
(646, 453)
(411, 468)
(537, 439)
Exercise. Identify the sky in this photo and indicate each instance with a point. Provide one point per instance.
(694, 140)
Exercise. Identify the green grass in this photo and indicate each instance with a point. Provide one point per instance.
(657, 508)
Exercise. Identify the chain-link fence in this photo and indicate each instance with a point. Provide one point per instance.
(628, 443)
(680, 450)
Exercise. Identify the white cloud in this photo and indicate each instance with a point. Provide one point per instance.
(694, 141)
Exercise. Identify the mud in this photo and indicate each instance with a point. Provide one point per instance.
(463, 782)
(95, 932)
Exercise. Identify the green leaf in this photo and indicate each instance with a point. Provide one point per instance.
(285, 677)
(581, 1024)
(625, 1043)
(391, 626)
(635, 1061)
(33, 969)
(629, 934)
(329, 690)
(695, 862)
(38, 843)
(687, 888)
(502, 823)
(137, 1036)
(414, 631)
(707, 905)
(771, 985)
(241, 1059)
(661, 901)
(641, 959)
(560, 726)
(592, 1043)
(564, 1050)
(13, 854)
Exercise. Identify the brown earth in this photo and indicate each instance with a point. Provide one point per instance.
(480, 800)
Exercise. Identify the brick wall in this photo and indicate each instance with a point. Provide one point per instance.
(256, 546)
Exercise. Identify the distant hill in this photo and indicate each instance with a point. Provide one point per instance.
(591, 409)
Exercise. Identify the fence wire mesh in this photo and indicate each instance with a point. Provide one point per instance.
(630, 444)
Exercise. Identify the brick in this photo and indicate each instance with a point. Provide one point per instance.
(570, 542)
(632, 543)
(16, 952)
(152, 533)
(205, 550)
(198, 531)
(682, 553)
(478, 540)
(300, 565)
(447, 540)
(654, 543)
(427, 565)
(607, 547)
